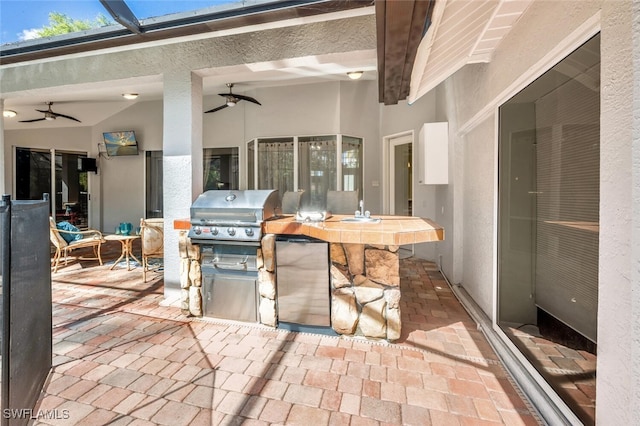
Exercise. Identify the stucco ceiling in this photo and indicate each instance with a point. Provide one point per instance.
(94, 102)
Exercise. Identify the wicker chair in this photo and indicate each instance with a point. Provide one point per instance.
(152, 242)
(90, 238)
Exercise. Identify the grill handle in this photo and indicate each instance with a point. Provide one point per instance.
(236, 266)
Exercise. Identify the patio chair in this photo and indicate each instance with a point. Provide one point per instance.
(152, 242)
(75, 239)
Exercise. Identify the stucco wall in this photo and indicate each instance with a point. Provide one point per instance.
(359, 116)
(395, 119)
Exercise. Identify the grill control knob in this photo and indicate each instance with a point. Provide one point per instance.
(249, 232)
(231, 232)
(214, 231)
(197, 230)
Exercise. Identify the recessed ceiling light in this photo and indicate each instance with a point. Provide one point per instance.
(354, 75)
(9, 113)
(130, 95)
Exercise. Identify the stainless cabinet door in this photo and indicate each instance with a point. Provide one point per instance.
(230, 297)
(302, 273)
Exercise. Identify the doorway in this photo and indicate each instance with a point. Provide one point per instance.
(399, 171)
(399, 180)
(57, 173)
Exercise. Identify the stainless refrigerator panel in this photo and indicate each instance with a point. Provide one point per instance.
(302, 270)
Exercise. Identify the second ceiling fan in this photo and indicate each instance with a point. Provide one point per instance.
(50, 115)
(232, 99)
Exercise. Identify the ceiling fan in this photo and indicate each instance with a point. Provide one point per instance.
(232, 99)
(49, 115)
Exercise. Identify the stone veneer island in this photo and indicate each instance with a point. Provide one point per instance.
(364, 271)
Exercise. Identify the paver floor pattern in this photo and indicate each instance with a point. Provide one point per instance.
(120, 358)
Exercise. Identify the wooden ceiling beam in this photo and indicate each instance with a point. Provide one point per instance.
(400, 26)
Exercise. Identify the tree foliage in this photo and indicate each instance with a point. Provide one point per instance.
(59, 23)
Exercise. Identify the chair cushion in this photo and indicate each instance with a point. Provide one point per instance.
(66, 226)
(152, 233)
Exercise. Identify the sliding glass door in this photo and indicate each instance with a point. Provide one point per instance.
(57, 173)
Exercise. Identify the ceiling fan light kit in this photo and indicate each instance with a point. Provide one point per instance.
(232, 99)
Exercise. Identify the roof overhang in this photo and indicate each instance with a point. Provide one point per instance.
(158, 29)
(462, 32)
(400, 26)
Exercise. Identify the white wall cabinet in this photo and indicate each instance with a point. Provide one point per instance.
(433, 154)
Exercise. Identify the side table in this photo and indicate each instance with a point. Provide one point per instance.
(127, 251)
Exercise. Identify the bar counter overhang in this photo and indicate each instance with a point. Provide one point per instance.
(364, 272)
(391, 230)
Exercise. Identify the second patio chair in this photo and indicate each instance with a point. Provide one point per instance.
(152, 243)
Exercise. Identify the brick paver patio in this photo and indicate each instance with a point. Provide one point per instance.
(120, 358)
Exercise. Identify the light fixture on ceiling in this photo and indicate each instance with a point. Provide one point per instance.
(231, 103)
(9, 113)
(130, 96)
(354, 75)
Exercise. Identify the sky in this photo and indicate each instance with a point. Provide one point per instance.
(18, 18)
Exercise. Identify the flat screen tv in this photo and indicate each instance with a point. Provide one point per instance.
(120, 143)
(86, 164)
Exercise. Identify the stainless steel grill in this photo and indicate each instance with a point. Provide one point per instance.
(232, 215)
(228, 227)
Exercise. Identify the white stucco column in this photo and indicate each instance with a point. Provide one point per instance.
(182, 164)
(4, 168)
(635, 215)
(618, 378)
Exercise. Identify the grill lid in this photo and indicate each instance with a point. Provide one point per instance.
(266, 199)
(232, 215)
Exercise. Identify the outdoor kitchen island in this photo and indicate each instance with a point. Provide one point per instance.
(364, 287)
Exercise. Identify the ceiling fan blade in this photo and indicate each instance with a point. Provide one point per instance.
(216, 109)
(247, 98)
(66, 116)
(31, 121)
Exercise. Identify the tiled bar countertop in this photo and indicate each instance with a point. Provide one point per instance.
(364, 271)
(391, 230)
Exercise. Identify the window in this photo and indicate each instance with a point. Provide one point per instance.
(317, 168)
(549, 195)
(352, 164)
(153, 193)
(315, 164)
(221, 168)
(275, 164)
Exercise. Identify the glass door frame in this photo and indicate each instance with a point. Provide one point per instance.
(388, 177)
(53, 189)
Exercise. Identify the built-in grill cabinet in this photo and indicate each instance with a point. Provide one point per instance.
(230, 281)
(228, 227)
